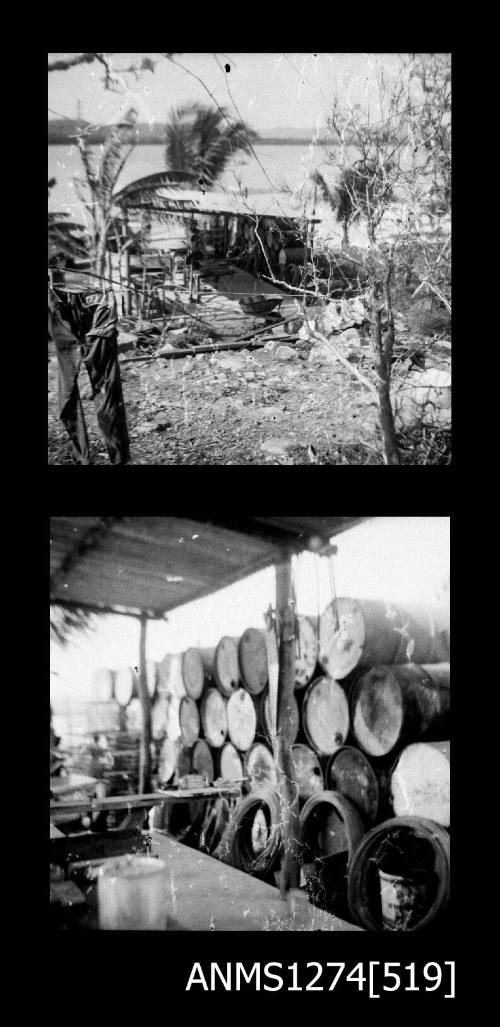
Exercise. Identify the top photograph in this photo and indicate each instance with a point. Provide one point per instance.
(249, 258)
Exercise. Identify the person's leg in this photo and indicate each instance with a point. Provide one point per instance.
(63, 332)
(101, 361)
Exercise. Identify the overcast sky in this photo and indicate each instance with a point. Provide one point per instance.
(271, 90)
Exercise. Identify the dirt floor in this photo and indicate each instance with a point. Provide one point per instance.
(244, 408)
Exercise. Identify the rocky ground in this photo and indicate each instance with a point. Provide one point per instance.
(245, 408)
(288, 403)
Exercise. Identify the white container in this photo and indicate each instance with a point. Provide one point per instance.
(133, 895)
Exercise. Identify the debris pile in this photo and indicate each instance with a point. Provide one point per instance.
(421, 370)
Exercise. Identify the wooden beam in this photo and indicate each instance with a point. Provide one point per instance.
(130, 802)
(288, 792)
(177, 354)
(146, 733)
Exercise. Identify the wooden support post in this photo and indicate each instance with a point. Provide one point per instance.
(143, 293)
(127, 280)
(289, 801)
(145, 755)
(306, 243)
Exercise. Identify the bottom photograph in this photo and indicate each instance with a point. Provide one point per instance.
(250, 723)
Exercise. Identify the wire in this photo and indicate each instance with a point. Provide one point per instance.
(214, 825)
(318, 601)
(333, 591)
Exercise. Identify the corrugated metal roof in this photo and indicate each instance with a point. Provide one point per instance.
(155, 564)
(213, 202)
(148, 183)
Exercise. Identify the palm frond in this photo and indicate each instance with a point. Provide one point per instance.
(58, 215)
(200, 142)
(90, 173)
(63, 240)
(108, 168)
(329, 195)
(66, 622)
(58, 224)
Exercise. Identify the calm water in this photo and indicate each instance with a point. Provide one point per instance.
(284, 165)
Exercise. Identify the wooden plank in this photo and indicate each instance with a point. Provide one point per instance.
(289, 800)
(146, 734)
(62, 785)
(130, 802)
(77, 847)
(273, 667)
(211, 896)
(176, 354)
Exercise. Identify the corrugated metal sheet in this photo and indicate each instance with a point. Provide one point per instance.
(158, 563)
(212, 202)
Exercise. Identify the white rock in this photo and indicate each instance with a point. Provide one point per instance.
(357, 310)
(166, 348)
(270, 346)
(424, 398)
(285, 353)
(175, 322)
(332, 320)
(231, 362)
(317, 355)
(276, 446)
(433, 377)
(351, 335)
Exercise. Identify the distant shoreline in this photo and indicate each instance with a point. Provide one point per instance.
(70, 140)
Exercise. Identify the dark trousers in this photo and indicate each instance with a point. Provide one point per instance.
(85, 328)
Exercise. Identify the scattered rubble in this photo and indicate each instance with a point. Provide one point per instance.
(285, 353)
(207, 408)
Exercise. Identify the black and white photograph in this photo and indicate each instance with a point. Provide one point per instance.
(250, 725)
(249, 259)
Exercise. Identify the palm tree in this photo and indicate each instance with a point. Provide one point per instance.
(200, 141)
(101, 182)
(360, 186)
